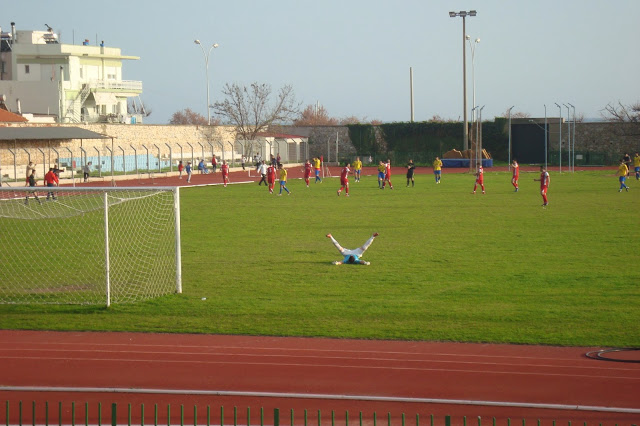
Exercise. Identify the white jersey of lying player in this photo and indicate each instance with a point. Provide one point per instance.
(352, 256)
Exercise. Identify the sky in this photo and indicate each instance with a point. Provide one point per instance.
(353, 56)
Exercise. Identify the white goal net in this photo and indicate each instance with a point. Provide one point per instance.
(88, 245)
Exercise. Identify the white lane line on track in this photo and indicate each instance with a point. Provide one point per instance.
(320, 396)
(67, 352)
(376, 351)
(365, 367)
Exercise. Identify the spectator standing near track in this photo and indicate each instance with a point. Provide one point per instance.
(544, 185)
(31, 167)
(188, 170)
(623, 171)
(516, 174)
(180, 169)
(271, 178)
(214, 163)
(344, 180)
(283, 179)
(387, 174)
(86, 171)
(317, 164)
(225, 173)
(32, 183)
(307, 172)
(352, 256)
(381, 169)
(437, 169)
(411, 168)
(244, 160)
(636, 165)
(479, 178)
(262, 169)
(51, 179)
(357, 169)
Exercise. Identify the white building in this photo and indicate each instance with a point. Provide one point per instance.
(73, 83)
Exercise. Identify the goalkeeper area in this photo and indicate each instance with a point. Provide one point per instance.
(93, 246)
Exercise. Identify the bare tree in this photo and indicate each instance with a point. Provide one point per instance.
(312, 116)
(250, 108)
(187, 116)
(621, 113)
(516, 114)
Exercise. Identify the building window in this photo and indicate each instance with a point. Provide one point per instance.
(26, 69)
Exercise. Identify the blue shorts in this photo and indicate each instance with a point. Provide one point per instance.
(622, 179)
(637, 169)
(437, 172)
(380, 175)
(283, 183)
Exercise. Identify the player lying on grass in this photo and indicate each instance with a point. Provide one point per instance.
(352, 256)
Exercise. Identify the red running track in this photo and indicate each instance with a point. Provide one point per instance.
(425, 378)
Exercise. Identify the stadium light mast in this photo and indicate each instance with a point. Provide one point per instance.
(463, 14)
(510, 135)
(569, 133)
(560, 136)
(206, 65)
(573, 167)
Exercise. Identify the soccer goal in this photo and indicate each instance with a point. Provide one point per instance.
(89, 245)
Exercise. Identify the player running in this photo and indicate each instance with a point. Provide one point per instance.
(381, 169)
(437, 169)
(31, 181)
(544, 185)
(317, 164)
(283, 179)
(344, 179)
(225, 173)
(307, 172)
(516, 174)
(271, 177)
(623, 171)
(479, 178)
(357, 169)
(387, 174)
(352, 256)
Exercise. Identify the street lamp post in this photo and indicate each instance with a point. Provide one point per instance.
(463, 14)
(473, 84)
(206, 64)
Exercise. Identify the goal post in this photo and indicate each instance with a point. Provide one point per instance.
(97, 246)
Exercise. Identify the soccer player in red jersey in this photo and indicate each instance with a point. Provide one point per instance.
(271, 178)
(344, 180)
(387, 174)
(479, 178)
(307, 172)
(516, 174)
(225, 173)
(544, 185)
(51, 179)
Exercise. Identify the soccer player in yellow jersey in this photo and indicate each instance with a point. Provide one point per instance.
(437, 169)
(622, 173)
(636, 165)
(357, 168)
(317, 164)
(283, 179)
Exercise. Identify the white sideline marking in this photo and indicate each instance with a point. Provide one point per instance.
(321, 396)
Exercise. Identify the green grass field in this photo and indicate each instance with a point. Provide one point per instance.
(447, 265)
